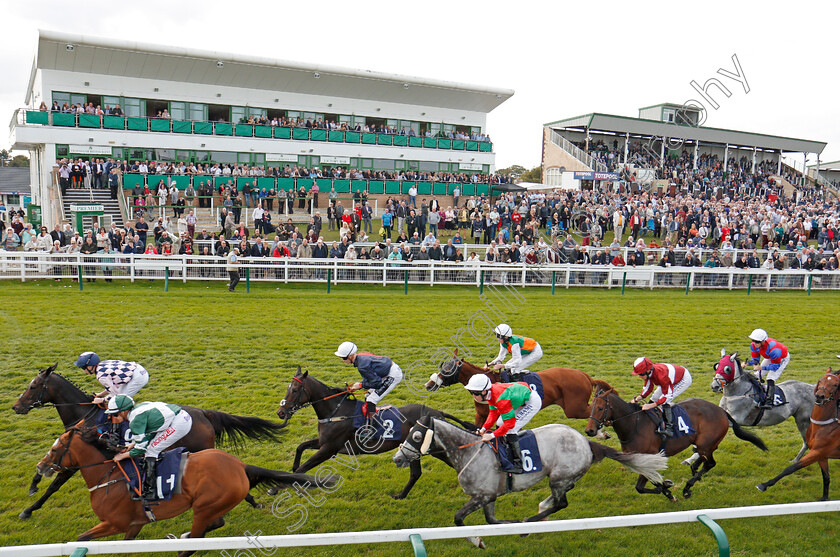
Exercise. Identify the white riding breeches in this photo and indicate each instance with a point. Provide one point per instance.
(677, 390)
(525, 413)
(181, 425)
(138, 381)
(528, 360)
(388, 383)
(768, 375)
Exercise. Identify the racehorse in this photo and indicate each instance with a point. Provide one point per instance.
(212, 484)
(566, 456)
(568, 388)
(737, 387)
(73, 405)
(636, 432)
(336, 433)
(823, 436)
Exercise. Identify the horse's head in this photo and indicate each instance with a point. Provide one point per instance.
(601, 413)
(296, 397)
(448, 373)
(826, 389)
(36, 394)
(58, 458)
(727, 370)
(417, 443)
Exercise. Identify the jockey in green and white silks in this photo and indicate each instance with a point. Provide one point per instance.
(523, 351)
(154, 427)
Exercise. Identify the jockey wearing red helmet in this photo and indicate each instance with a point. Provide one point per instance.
(669, 380)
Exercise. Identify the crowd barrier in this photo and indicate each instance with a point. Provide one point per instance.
(267, 544)
(25, 266)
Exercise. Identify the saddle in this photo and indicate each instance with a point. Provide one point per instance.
(169, 471)
(681, 422)
(387, 421)
(531, 461)
(759, 394)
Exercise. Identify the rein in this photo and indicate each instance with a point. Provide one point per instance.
(607, 423)
(296, 407)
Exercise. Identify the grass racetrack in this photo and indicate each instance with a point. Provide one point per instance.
(206, 347)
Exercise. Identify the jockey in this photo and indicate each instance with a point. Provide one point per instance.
(523, 352)
(514, 404)
(154, 426)
(670, 382)
(379, 375)
(118, 377)
(769, 359)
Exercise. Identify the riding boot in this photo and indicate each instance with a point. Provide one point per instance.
(512, 440)
(150, 485)
(367, 431)
(771, 394)
(668, 420)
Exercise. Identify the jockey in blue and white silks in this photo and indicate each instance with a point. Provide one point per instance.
(118, 377)
(769, 359)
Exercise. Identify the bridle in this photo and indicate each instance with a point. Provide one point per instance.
(39, 401)
(296, 405)
(828, 396)
(410, 451)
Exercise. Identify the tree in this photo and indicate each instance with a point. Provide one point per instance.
(4, 157)
(534, 175)
(21, 161)
(514, 171)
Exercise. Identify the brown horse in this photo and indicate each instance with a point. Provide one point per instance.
(213, 483)
(823, 435)
(568, 388)
(636, 432)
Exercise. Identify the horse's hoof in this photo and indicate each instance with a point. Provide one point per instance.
(272, 491)
(476, 541)
(258, 506)
(668, 483)
(672, 497)
(686, 493)
(185, 535)
(24, 515)
(171, 537)
(398, 497)
(761, 487)
(33, 491)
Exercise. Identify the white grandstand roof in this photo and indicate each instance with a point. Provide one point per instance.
(117, 57)
(640, 126)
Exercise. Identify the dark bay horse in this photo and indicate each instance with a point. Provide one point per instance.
(568, 388)
(566, 456)
(213, 483)
(636, 432)
(336, 433)
(823, 436)
(73, 405)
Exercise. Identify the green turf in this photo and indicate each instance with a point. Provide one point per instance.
(236, 352)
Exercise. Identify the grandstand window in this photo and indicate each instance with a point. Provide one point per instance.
(237, 114)
(61, 151)
(360, 120)
(111, 102)
(244, 158)
(434, 128)
(136, 154)
(165, 155)
(184, 156)
(553, 177)
(367, 163)
(202, 156)
(155, 107)
(354, 163)
(178, 110)
(218, 113)
(408, 125)
(61, 98)
(383, 164)
(293, 114)
(118, 153)
(393, 124)
(399, 165)
(258, 159)
(345, 119)
(428, 166)
(443, 167)
(312, 116)
(223, 157)
(668, 115)
(134, 107)
(413, 165)
(376, 121)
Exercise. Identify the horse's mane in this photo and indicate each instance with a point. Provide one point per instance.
(334, 390)
(66, 380)
(437, 414)
(603, 385)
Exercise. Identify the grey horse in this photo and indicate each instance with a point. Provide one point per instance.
(566, 456)
(731, 379)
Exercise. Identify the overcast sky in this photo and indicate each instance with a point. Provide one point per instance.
(563, 59)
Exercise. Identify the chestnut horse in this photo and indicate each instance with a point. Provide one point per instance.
(823, 435)
(213, 483)
(568, 388)
(636, 432)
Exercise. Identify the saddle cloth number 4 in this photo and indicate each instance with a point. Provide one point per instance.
(682, 426)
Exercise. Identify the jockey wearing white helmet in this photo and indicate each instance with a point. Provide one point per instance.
(769, 358)
(523, 352)
(379, 375)
(118, 377)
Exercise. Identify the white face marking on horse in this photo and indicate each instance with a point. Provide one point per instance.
(283, 402)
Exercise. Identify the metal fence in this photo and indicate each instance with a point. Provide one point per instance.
(25, 266)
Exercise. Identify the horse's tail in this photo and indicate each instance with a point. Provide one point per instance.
(648, 465)
(742, 433)
(235, 429)
(264, 477)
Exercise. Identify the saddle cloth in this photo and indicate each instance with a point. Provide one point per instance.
(169, 471)
(759, 393)
(531, 461)
(387, 421)
(532, 379)
(682, 423)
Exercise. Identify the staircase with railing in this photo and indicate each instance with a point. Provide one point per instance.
(590, 162)
(86, 196)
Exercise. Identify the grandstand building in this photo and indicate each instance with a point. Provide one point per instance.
(174, 105)
(598, 147)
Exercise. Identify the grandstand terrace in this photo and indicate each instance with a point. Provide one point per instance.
(667, 148)
(95, 98)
